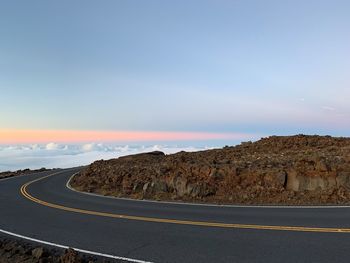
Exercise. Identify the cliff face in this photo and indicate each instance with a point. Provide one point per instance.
(293, 170)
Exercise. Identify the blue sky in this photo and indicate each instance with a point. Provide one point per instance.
(260, 67)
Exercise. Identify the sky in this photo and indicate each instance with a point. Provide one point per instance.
(190, 72)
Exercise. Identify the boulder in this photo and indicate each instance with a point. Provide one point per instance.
(38, 252)
(180, 185)
(343, 180)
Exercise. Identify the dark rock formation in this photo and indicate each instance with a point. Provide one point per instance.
(12, 251)
(8, 174)
(293, 170)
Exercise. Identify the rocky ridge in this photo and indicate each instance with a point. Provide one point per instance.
(297, 169)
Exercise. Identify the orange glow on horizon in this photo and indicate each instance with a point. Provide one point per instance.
(16, 136)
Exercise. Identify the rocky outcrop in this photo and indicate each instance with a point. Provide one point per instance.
(293, 170)
(12, 251)
(8, 174)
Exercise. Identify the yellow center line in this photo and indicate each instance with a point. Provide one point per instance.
(25, 193)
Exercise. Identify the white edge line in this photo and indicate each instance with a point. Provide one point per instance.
(208, 205)
(76, 249)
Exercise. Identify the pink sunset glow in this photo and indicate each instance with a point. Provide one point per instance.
(70, 136)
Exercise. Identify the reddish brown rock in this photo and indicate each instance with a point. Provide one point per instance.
(12, 251)
(291, 170)
(70, 256)
(8, 174)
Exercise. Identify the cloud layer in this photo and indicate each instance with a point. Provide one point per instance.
(53, 155)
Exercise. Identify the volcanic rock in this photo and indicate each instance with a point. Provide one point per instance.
(297, 169)
(12, 251)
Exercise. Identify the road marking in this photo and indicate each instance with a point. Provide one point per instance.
(175, 221)
(76, 249)
(206, 205)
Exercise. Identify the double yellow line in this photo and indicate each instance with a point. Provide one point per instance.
(25, 193)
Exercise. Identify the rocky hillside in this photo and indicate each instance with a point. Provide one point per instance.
(276, 170)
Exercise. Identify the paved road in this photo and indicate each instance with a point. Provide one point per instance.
(170, 242)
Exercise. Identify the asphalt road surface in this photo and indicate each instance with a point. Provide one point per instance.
(47, 210)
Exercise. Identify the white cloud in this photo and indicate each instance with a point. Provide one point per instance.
(88, 147)
(52, 155)
(51, 146)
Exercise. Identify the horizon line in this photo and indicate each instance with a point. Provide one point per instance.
(16, 136)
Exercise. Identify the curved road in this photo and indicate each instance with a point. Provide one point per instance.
(43, 208)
